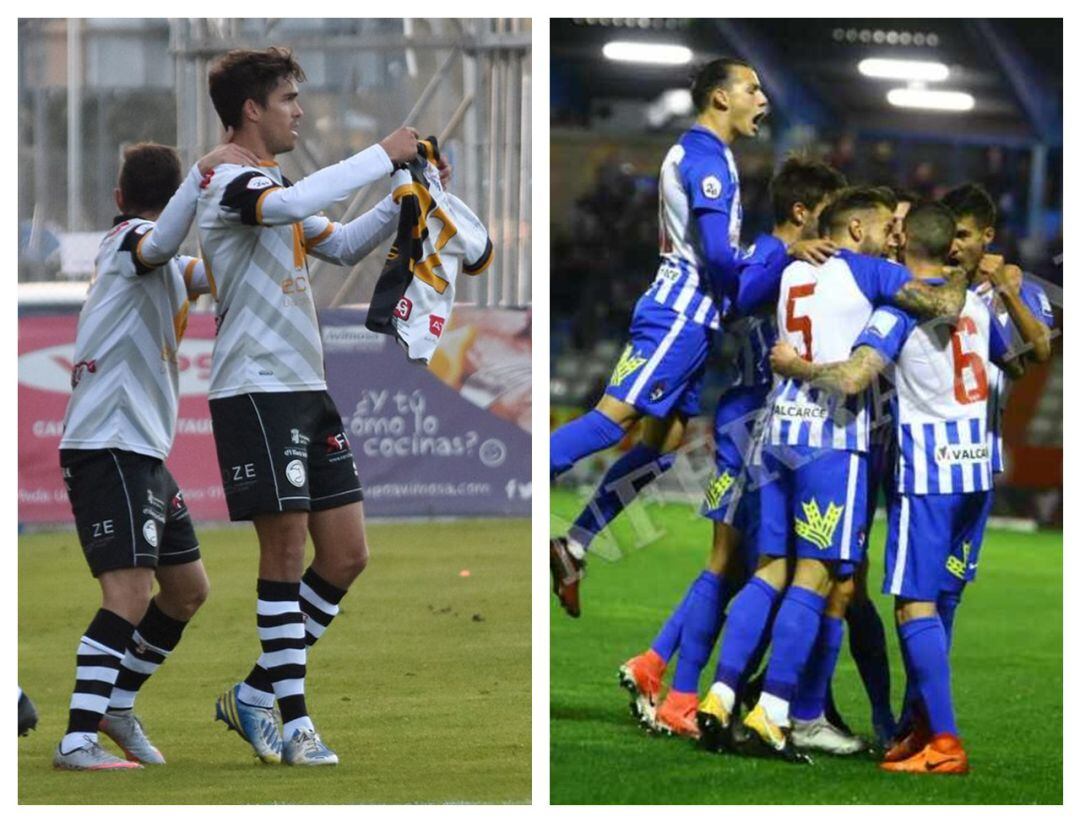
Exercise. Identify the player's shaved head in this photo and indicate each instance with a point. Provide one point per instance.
(149, 177)
(972, 200)
(929, 229)
(802, 180)
(243, 74)
(710, 76)
(851, 202)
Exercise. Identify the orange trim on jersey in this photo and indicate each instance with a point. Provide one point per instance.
(268, 163)
(311, 242)
(259, 202)
(482, 263)
(189, 269)
(138, 252)
(298, 251)
(210, 277)
(425, 270)
(180, 321)
(449, 229)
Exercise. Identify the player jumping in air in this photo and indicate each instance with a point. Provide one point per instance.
(813, 479)
(799, 191)
(118, 430)
(660, 372)
(943, 471)
(284, 457)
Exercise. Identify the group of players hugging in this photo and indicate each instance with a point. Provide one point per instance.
(873, 334)
(285, 461)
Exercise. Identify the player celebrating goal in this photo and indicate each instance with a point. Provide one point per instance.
(284, 457)
(119, 427)
(660, 373)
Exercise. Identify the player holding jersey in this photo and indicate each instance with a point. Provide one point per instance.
(284, 457)
(660, 372)
(943, 472)
(814, 468)
(118, 430)
(799, 191)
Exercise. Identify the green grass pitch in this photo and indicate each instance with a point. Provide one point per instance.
(422, 685)
(1007, 681)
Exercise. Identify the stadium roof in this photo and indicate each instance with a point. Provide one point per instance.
(1013, 69)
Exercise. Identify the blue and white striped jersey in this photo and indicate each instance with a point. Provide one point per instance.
(939, 371)
(1038, 303)
(821, 312)
(748, 338)
(698, 175)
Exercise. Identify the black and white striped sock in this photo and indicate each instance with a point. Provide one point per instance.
(97, 663)
(154, 639)
(320, 602)
(284, 651)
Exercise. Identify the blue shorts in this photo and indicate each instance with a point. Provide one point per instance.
(818, 497)
(663, 366)
(924, 532)
(963, 560)
(738, 412)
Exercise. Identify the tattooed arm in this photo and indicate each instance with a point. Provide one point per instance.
(849, 376)
(928, 302)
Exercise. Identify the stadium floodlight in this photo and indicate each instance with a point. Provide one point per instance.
(667, 54)
(930, 99)
(911, 70)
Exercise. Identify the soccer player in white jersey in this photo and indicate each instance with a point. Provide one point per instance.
(659, 376)
(284, 456)
(799, 192)
(943, 471)
(813, 477)
(121, 418)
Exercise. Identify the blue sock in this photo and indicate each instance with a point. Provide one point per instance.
(866, 638)
(746, 621)
(947, 603)
(809, 702)
(667, 641)
(911, 692)
(613, 494)
(578, 438)
(704, 613)
(794, 634)
(924, 639)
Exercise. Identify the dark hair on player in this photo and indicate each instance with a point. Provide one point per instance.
(929, 228)
(847, 202)
(149, 177)
(242, 74)
(972, 200)
(710, 75)
(906, 195)
(802, 180)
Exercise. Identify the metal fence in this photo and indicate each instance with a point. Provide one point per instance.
(88, 87)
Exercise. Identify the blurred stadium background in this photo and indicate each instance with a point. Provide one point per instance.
(612, 120)
(449, 441)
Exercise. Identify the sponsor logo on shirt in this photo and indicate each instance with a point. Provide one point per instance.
(798, 411)
(404, 308)
(818, 528)
(435, 325)
(259, 182)
(961, 454)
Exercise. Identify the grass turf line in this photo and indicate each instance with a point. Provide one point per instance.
(1007, 675)
(395, 686)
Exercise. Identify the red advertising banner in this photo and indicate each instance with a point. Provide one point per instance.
(46, 344)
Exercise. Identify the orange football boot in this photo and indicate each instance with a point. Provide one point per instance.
(944, 754)
(641, 676)
(678, 715)
(566, 572)
(906, 747)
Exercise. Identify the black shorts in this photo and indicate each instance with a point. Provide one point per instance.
(283, 451)
(128, 510)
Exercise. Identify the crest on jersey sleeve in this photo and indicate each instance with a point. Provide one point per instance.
(258, 182)
(711, 187)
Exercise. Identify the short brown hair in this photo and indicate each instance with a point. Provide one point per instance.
(149, 177)
(243, 74)
(802, 180)
(847, 202)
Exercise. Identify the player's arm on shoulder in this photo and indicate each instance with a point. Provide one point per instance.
(759, 276)
(160, 244)
(349, 243)
(927, 301)
(244, 193)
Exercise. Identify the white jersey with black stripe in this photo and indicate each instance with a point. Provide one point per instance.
(268, 332)
(125, 384)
